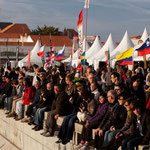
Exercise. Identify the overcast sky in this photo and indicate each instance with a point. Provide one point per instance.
(104, 16)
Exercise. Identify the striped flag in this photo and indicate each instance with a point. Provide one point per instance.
(80, 30)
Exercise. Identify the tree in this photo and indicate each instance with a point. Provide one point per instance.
(45, 30)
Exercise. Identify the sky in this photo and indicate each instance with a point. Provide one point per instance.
(104, 16)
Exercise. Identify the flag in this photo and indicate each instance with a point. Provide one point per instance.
(79, 67)
(28, 58)
(107, 53)
(144, 49)
(82, 58)
(125, 58)
(53, 50)
(80, 30)
(86, 4)
(41, 52)
(60, 55)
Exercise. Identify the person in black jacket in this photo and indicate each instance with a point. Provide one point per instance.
(59, 107)
(46, 98)
(110, 120)
(140, 131)
(6, 92)
(117, 120)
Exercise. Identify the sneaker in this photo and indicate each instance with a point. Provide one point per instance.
(12, 114)
(7, 112)
(25, 120)
(44, 133)
(19, 117)
(58, 141)
(79, 146)
(48, 134)
(38, 128)
(34, 127)
(84, 147)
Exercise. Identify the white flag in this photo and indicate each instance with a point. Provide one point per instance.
(86, 4)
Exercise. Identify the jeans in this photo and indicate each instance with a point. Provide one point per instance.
(20, 108)
(131, 142)
(39, 116)
(109, 136)
(67, 127)
(2, 99)
(9, 103)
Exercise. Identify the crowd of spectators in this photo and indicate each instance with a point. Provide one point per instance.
(114, 102)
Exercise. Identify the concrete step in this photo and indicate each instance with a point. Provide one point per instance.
(22, 135)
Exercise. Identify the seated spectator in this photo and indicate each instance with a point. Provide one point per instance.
(6, 92)
(140, 133)
(45, 103)
(59, 108)
(117, 121)
(67, 127)
(110, 119)
(36, 99)
(93, 122)
(11, 103)
(94, 90)
(29, 92)
(125, 131)
(138, 90)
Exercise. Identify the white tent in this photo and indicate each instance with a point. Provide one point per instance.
(34, 58)
(76, 54)
(125, 44)
(143, 38)
(94, 49)
(109, 45)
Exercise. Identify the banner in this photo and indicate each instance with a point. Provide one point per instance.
(80, 31)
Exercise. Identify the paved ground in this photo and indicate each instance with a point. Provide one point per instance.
(6, 145)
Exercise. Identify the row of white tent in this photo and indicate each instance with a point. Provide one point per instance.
(96, 52)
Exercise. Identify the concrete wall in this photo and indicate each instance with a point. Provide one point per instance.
(22, 135)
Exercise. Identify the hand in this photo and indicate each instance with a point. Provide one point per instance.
(86, 124)
(30, 103)
(112, 128)
(14, 97)
(71, 100)
(100, 133)
(56, 116)
(118, 135)
(44, 99)
(97, 130)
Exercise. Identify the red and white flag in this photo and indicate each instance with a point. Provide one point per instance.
(80, 30)
(41, 52)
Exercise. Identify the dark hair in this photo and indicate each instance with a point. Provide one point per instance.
(116, 74)
(122, 86)
(136, 104)
(28, 81)
(103, 94)
(134, 78)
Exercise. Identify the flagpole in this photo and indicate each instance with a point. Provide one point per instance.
(85, 39)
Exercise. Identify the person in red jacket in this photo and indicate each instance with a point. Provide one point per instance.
(28, 94)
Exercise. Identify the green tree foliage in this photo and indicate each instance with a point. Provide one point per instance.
(45, 30)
